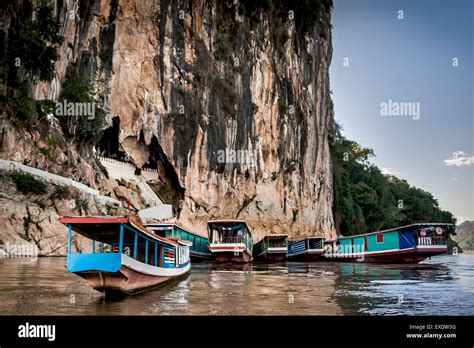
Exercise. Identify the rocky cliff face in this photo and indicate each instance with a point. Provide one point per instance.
(231, 104)
(30, 224)
(465, 235)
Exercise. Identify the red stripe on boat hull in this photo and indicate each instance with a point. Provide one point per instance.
(397, 256)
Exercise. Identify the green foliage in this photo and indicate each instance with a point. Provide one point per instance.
(172, 115)
(282, 108)
(61, 192)
(37, 42)
(22, 108)
(76, 89)
(365, 200)
(223, 43)
(163, 190)
(82, 206)
(26, 182)
(47, 106)
(306, 15)
(48, 152)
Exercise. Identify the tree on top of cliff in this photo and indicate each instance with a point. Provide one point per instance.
(366, 200)
(306, 14)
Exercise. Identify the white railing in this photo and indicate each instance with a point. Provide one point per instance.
(115, 162)
(56, 179)
(122, 170)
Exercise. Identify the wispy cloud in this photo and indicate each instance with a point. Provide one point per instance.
(460, 159)
(387, 171)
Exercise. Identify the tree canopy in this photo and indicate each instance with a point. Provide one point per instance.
(36, 43)
(366, 200)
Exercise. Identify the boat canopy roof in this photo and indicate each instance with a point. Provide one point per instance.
(161, 226)
(106, 228)
(420, 224)
(275, 236)
(227, 221)
(233, 224)
(226, 224)
(309, 237)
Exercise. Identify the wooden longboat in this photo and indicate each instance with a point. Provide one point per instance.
(199, 251)
(406, 244)
(272, 247)
(308, 249)
(128, 258)
(230, 240)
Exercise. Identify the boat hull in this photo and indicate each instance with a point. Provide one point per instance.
(199, 257)
(119, 274)
(272, 257)
(412, 255)
(230, 256)
(307, 256)
(124, 282)
(237, 253)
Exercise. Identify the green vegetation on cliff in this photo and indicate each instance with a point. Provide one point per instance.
(36, 42)
(22, 107)
(76, 89)
(32, 52)
(26, 183)
(366, 200)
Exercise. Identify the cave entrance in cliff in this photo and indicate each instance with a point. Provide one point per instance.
(167, 187)
(109, 145)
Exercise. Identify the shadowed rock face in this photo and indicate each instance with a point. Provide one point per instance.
(465, 235)
(190, 79)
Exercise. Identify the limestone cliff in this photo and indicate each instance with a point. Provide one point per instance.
(465, 235)
(230, 102)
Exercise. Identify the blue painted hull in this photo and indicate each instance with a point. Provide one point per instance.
(115, 273)
(409, 255)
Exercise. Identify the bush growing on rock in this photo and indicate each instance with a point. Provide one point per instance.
(27, 183)
(61, 192)
(76, 89)
(22, 108)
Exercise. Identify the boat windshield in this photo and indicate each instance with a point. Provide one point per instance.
(229, 233)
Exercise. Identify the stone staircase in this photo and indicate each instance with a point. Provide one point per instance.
(126, 171)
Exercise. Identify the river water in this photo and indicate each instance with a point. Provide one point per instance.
(443, 285)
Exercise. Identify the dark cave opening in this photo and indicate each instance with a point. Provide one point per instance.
(168, 187)
(109, 145)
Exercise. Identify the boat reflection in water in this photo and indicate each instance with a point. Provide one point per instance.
(441, 285)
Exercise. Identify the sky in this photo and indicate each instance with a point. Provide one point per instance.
(402, 83)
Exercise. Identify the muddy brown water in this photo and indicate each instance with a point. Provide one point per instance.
(443, 285)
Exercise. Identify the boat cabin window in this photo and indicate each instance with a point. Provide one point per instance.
(379, 238)
(278, 243)
(315, 243)
(229, 234)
